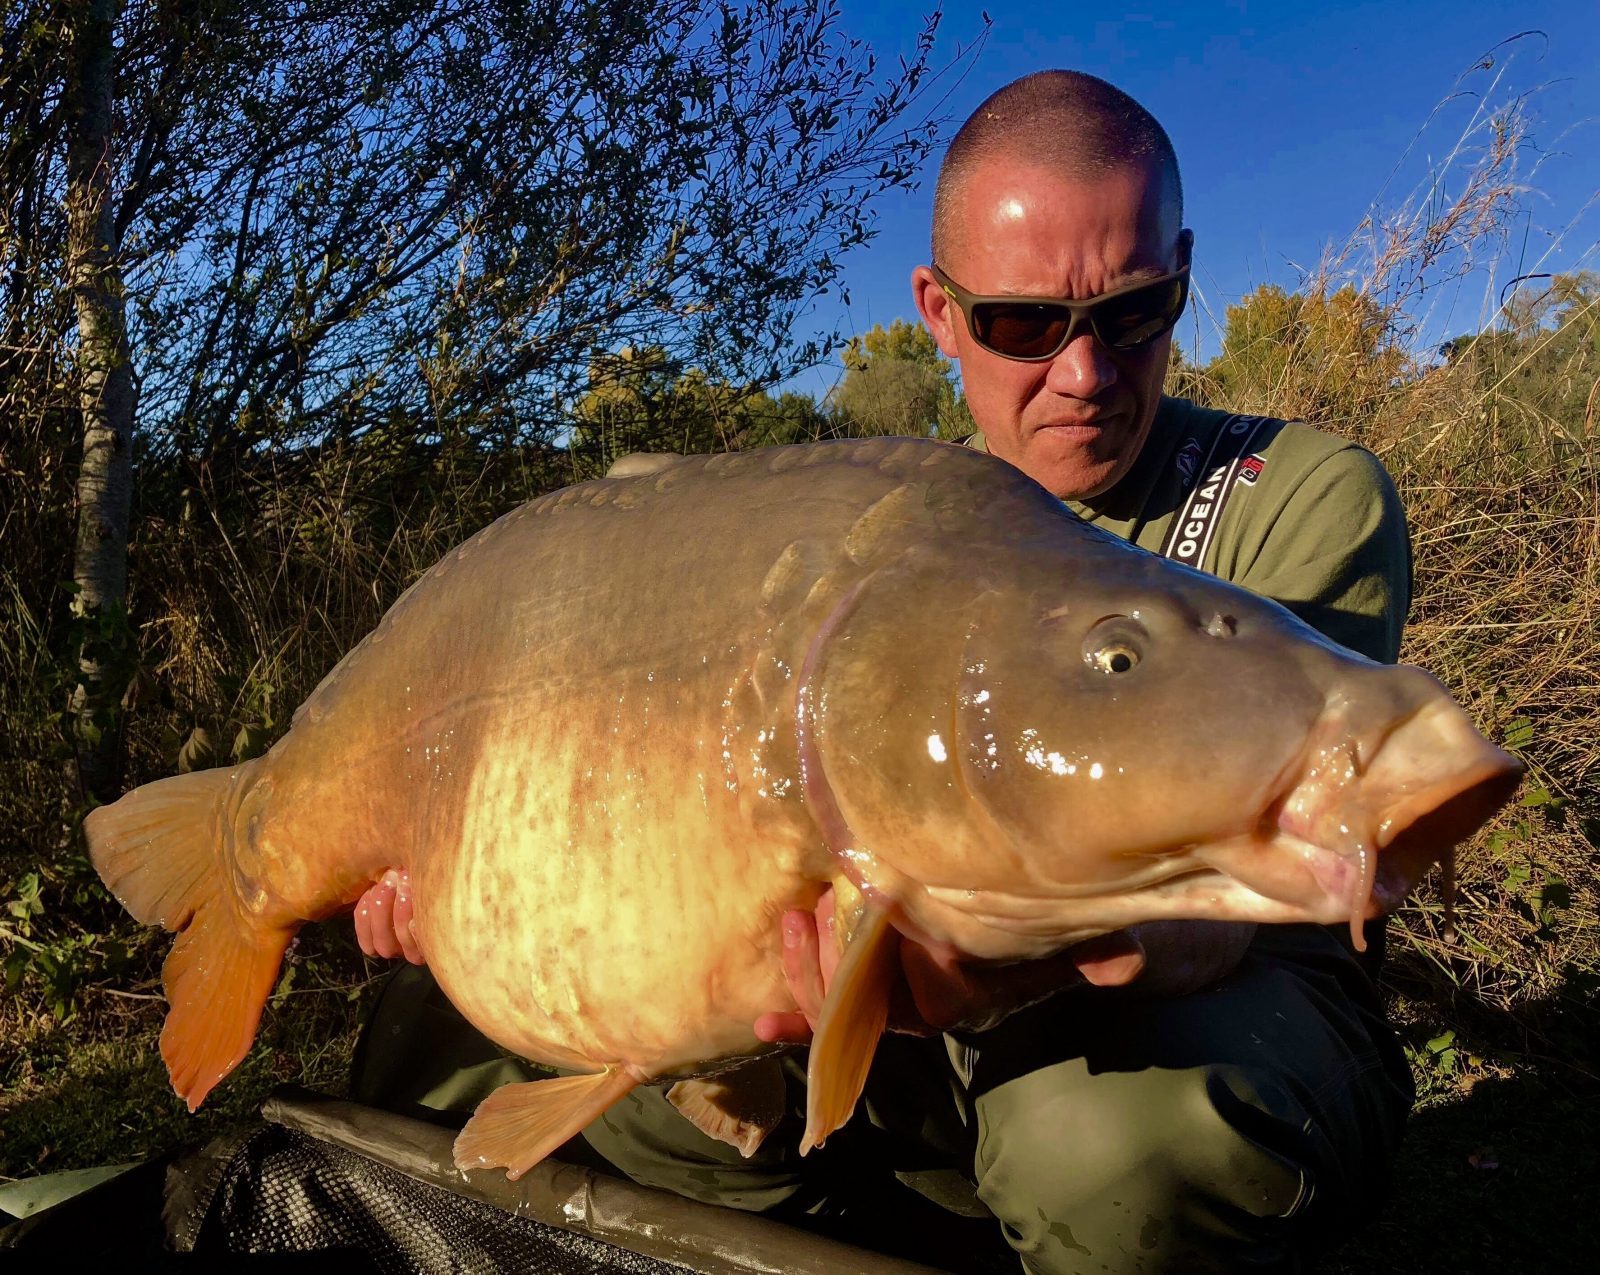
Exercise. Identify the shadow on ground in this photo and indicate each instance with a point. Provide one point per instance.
(1506, 1177)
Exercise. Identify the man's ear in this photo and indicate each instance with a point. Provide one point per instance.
(1185, 247)
(938, 311)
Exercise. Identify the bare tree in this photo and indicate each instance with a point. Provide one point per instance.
(105, 397)
(292, 226)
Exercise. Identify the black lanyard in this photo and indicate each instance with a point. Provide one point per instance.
(1229, 465)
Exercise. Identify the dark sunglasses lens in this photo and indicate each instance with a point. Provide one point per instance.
(1020, 331)
(1139, 316)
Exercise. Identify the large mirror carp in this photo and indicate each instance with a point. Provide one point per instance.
(617, 733)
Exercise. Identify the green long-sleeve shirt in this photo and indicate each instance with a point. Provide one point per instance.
(1320, 529)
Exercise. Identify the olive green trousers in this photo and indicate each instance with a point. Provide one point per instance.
(1242, 1127)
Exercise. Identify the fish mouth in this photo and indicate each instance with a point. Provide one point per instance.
(1361, 824)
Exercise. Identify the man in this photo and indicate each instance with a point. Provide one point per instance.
(1196, 1097)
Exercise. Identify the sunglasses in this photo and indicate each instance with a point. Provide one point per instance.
(1035, 329)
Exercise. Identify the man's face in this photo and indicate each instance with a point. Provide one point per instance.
(1074, 424)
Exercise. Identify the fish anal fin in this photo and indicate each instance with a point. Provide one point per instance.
(739, 1107)
(518, 1125)
(853, 1019)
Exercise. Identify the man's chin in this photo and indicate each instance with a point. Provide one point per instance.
(1065, 460)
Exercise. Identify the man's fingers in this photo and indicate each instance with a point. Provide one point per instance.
(374, 921)
(786, 1029)
(410, 948)
(383, 919)
(940, 989)
(802, 968)
(1112, 960)
(825, 931)
(380, 909)
(364, 924)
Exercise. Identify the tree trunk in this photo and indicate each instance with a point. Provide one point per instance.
(105, 378)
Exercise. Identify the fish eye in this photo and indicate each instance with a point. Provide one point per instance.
(1115, 644)
(1113, 657)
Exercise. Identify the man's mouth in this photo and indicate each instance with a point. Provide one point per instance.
(1087, 429)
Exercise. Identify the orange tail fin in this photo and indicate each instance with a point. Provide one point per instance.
(160, 851)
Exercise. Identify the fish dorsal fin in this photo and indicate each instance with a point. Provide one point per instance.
(853, 1018)
(518, 1125)
(739, 1107)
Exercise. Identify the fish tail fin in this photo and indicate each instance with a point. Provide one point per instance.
(160, 852)
(518, 1125)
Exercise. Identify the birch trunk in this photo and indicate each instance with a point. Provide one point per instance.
(105, 482)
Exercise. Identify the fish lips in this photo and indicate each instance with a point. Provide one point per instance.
(1354, 843)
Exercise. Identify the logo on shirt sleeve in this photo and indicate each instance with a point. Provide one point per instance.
(1188, 461)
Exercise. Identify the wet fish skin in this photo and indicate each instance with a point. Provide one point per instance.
(616, 734)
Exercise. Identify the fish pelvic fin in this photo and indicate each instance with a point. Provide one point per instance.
(518, 1125)
(739, 1107)
(853, 1018)
(160, 852)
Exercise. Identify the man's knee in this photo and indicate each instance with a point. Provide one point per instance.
(1197, 1169)
(648, 1139)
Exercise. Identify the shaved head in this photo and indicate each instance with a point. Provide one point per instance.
(1066, 121)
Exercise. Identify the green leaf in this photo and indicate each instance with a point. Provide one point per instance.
(16, 969)
(1441, 1041)
(27, 904)
(1519, 733)
(199, 751)
(251, 741)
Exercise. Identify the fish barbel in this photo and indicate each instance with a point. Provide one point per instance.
(616, 734)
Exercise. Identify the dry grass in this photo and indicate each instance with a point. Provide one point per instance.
(1497, 457)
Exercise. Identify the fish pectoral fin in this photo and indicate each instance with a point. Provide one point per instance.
(853, 1018)
(739, 1107)
(518, 1125)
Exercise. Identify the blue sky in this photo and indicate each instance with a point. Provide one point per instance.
(1290, 122)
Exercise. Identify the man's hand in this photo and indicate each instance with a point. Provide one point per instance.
(383, 919)
(937, 993)
(1184, 956)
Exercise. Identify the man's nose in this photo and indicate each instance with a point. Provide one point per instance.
(1083, 369)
